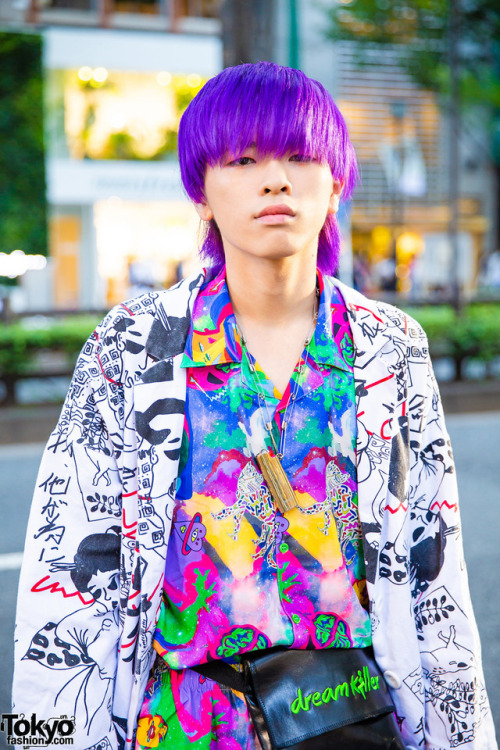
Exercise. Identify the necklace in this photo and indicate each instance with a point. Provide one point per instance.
(270, 464)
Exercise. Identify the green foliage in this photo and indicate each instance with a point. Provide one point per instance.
(22, 168)
(420, 28)
(19, 344)
(475, 334)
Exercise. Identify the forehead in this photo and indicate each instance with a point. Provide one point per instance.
(265, 141)
(269, 116)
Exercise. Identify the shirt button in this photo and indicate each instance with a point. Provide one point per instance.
(392, 679)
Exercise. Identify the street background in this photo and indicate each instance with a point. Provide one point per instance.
(92, 209)
(476, 442)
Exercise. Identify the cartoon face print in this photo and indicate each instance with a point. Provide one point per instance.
(75, 642)
(192, 533)
(103, 586)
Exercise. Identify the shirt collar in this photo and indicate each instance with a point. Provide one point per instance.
(213, 337)
(332, 341)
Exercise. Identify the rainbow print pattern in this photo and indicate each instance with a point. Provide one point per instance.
(240, 575)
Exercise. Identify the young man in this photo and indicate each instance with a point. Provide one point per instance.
(272, 444)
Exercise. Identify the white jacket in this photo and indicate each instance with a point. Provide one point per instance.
(108, 476)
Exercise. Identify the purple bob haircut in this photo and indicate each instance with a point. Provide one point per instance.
(278, 109)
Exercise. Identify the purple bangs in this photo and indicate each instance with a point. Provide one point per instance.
(278, 109)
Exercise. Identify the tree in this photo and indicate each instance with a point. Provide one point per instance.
(421, 28)
(22, 165)
(425, 31)
(247, 30)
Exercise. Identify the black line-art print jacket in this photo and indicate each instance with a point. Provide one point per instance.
(91, 581)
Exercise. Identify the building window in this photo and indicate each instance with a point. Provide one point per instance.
(99, 114)
(70, 4)
(198, 8)
(152, 7)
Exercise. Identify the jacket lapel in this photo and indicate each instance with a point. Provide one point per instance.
(159, 405)
(379, 338)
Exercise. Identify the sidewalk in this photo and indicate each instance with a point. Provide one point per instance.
(33, 424)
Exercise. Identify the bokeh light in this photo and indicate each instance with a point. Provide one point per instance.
(85, 73)
(164, 78)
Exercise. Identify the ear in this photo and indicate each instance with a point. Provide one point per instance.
(333, 204)
(204, 211)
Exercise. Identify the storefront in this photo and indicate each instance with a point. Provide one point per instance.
(119, 219)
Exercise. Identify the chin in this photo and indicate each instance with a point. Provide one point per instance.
(277, 253)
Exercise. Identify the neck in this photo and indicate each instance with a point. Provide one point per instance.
(271, 293)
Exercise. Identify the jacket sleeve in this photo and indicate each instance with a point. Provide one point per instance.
(457, 712)
(67, 625)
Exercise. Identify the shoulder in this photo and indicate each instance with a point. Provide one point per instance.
(379, 315)
(136, 317)
(152, 324)
(140, 312)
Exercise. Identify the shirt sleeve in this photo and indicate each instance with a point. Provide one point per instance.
(67, 627)
(457, 712)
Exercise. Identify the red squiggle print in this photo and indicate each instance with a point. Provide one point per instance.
(132, 526)
(110, 380)
(155, 588)
(446, 504)
(56, 588)
(395, 510)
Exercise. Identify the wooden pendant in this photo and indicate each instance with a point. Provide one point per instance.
(277, 481)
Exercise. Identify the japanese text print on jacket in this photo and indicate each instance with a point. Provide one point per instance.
(91, 581)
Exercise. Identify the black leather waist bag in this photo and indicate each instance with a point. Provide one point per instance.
(314, 700)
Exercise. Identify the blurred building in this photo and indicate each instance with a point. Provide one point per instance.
(400, 213)
(118, 74)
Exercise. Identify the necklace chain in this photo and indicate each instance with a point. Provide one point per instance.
(280, 450)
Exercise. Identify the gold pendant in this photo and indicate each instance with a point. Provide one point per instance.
(277, 481)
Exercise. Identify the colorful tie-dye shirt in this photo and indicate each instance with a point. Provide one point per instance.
(239, 574)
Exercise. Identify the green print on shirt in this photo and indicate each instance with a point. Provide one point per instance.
(311, 434)
(325, 625)
(238, 399)
(179, 626)
(334, 397)
(361, 683)
(347, 349)
(235, 642)
(223, 440)
(285, 585)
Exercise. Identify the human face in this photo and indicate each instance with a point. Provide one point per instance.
(269, 207)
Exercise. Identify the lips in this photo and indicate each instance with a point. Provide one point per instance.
(276, 211)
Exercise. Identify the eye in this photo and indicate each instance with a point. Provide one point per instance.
(241, 161)
(302, 158)
(96, 593)
(114, 584)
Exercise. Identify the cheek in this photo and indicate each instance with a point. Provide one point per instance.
(219, 191)
(317, 207)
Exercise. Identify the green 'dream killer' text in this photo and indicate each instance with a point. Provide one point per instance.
(361, 683)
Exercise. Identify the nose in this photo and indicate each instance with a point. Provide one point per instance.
(275, 178)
